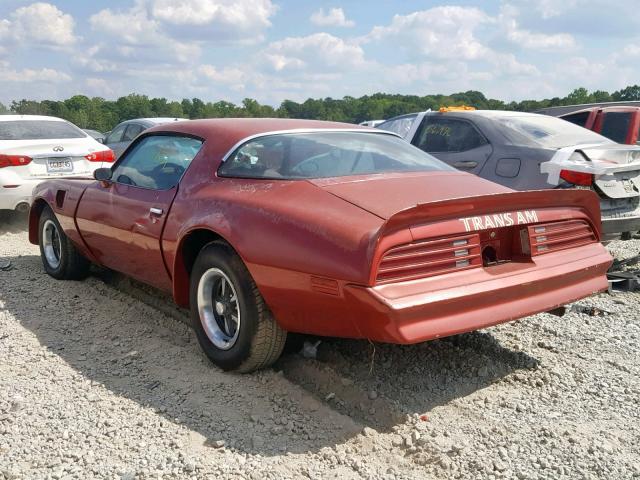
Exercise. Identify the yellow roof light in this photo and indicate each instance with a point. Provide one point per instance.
(460, 108)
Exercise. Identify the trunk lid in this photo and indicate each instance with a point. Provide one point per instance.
(621, 170)
(53, 158)
(387, 194)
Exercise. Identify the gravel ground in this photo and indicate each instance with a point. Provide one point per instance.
(100, 380)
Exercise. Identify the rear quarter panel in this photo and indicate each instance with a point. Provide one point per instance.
(294, 238)
(62, 196)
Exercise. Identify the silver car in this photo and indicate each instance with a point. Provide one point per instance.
(527, 151)
(123, 134)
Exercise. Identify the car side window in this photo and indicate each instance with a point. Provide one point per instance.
(116, 134)
(441, 134)
(577, 118)
(401, 125)
(132, 131)
(157, 162)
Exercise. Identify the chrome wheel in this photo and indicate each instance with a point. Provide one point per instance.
(218, 308)
(51, 244)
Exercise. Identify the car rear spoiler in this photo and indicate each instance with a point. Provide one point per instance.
(465, 207)
(596, 159)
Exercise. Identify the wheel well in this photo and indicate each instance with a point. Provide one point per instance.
(186, 255)
(34, 218)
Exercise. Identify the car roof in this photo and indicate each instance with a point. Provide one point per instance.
(13, 118)
(474, 113)
(155, 120)
(240, 128)
(227, 132)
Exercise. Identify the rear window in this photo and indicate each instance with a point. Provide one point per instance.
(399, 125)
(326, 154)
(615, 126)
(548, 132)
(38, 130)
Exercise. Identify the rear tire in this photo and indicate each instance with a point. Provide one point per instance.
(233, 325)
(59, 256)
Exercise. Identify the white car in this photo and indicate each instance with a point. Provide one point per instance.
(34, 148)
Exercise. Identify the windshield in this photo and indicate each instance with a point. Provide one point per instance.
(546, 131)
(38, 130)
(326, 154)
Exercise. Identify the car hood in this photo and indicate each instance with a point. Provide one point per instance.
(387, 194)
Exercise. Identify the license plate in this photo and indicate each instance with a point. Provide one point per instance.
(59, 165)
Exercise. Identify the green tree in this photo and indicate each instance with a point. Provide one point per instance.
(628, 94)
(579, 95)
(3, 109)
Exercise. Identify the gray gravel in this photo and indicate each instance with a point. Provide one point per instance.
(96, 383)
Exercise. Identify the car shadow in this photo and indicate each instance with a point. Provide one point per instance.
(13, 222)
(135, 351)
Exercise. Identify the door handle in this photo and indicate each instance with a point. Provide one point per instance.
(156, 211)
(465, 164)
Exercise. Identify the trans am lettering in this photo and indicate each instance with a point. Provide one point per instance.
(497, 220)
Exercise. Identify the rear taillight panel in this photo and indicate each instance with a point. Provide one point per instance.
(552, 237)
(14, 160)
(429, 257)
(490, 249)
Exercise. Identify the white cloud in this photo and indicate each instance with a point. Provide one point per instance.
(244, 15)
(440, 32)
(317, 52)
(42, 24)
(553, 8)
(30, 75)
(134, 28)
(532, 40)
(508, 64)
(231, 76)
(335, 17)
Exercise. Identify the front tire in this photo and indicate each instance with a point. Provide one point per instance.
(233, 325)
(59, 256)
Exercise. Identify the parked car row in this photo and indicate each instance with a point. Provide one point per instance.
(34, 148)
(266, 227)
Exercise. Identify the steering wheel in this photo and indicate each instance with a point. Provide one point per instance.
(178, 169)
(308, 167)
(126, 180)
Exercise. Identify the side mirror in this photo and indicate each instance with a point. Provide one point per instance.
(103, 175)
(100, 140)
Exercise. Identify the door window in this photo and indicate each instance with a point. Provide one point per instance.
(439, 135)
(116, 135)
(133, 130)
(157, 162)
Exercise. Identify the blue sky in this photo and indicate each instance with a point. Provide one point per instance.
(273, 50)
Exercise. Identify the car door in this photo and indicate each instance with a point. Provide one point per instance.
(121, 221)
(114, 139)
(454, 141)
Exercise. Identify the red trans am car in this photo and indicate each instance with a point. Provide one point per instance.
(268, 226)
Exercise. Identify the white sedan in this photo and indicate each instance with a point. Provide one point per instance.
(34, 148)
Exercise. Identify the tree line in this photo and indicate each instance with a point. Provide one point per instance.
(99, 114)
